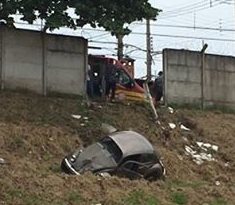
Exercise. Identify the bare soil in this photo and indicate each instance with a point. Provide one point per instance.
(37, 132)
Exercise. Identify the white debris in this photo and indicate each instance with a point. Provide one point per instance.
(198, 161)
(217, 183)
(198, 157)
(85, 118)
(189, 150)
(76, 116)
(2, 161)
(158, 122)
(226, 164)
(171, 110)
(163, 128)
(182, 127)
(172, 125)
(105, 174)
(185, 139)
(82, 124)
(200, 144)
(215, 147)
(206, 146)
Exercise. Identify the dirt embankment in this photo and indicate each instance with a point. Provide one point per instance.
(36, 133)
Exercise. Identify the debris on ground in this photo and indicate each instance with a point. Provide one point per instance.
(171, 110)
(182, 127)
(85, 118)
(2, 161)
(108, 128)
(206, 146)
(204, 154)
(217, 183)
(172, 125)
(76, 116)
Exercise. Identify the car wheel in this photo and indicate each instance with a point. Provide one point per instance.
(155, 172)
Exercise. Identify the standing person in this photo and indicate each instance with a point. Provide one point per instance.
(158, 87)
(111, 81)
(90, 87)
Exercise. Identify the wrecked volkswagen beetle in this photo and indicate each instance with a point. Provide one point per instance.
(125, 154)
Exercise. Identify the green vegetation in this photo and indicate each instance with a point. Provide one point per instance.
(179, 198)
(139, 198)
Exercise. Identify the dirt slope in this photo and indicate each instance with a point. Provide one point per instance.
(36, 133)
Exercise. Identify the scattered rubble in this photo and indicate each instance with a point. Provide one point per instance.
(76, 116)
(200, 157)
(217, 183)
(2, 161)
(182, 127)
(171, 110)
(172, 125)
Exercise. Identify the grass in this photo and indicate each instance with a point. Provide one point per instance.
(182, 184)
(74, 197)
(179, 198)
(219, 201)
(139, 198)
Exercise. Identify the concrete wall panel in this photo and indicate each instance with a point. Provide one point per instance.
(183, 81)
(42, 63)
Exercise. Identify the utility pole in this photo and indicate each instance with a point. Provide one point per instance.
(149, 57)
(203, 75)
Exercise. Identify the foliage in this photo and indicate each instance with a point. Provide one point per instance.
(114, 17)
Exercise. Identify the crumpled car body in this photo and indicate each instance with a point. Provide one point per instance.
(126, 154)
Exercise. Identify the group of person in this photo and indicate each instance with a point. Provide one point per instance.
(111, 78)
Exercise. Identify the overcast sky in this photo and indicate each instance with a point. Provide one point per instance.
(217, 16)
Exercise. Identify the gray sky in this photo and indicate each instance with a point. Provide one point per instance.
(218, 16)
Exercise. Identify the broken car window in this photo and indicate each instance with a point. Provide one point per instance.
(112, 148)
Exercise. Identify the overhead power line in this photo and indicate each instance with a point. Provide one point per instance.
(190, 27)
(201, 7)
(188, 37)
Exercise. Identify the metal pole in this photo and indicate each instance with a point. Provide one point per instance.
(148, 43)
(203, 76)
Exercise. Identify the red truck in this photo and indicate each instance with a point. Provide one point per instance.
(127, 88)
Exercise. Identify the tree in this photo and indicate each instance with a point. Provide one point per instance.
(114, 16)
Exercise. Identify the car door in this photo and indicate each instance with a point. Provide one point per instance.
(132, 167)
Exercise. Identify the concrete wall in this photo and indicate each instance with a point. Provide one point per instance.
(187, 83)
(42, 63)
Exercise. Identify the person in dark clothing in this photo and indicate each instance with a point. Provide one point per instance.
(111, 80)
(90, 89)
(158, 87)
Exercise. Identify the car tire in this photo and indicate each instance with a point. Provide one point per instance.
(155, 172)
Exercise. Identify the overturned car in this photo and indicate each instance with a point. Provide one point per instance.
(125, 154)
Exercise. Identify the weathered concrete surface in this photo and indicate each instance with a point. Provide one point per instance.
(42, 63)
(183, 78)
